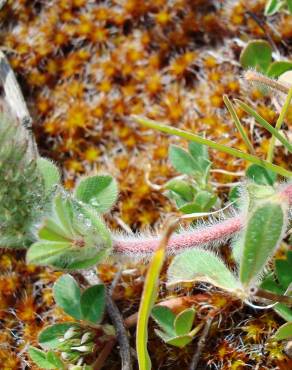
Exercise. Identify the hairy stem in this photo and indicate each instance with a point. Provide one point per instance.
(214, 233)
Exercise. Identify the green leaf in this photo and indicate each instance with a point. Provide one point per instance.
(277, 68)
(100, 192)
(289, 5)
(93, 303)
(201, 265)
(282, 310)
(200, 154)
(50, 174)
(257, 54)
(49, 337)
(284, 332)
(190, 208)
(40, 358)
(260, 175)
(176, 341)
(184, 321)
(180, 341)
(55, 360)
(261, 237)
(198, 151)
(203, 202)
(67, 295)
(235, 194)
(284, 271)
(272, 7)
(45, 252)
(164, 318)
(74, 236)
(182, 161)
(182, 188)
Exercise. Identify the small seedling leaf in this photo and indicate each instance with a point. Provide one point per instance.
(257, 54)
(93, 303)
(182, 188)
(164, 318)
(198, 151)
(182, 161)
(67, 295)
(184, 321)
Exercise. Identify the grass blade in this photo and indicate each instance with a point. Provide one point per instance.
(265, 124)
(238, 124)
(212, 144)
(279, 122)
(148, 299)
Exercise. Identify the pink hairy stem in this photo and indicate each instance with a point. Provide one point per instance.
(211, 234)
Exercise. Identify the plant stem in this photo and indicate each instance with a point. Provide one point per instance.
(201, 343)
(212, 144)
(90, 277)
(125, 349)
(103, 355)
(279, 123)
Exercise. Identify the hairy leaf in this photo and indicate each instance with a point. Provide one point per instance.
(201, 265)
(261, 237)
(100, 192)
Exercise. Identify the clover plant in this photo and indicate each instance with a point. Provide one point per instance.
(257, 55)
(72, 343)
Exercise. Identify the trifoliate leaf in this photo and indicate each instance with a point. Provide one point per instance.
(257, 54)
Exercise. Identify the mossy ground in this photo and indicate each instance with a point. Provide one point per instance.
(85, 67)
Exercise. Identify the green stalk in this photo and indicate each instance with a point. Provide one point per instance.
(238, 124)
(279, 122)
(265, 124)
(212, 144)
